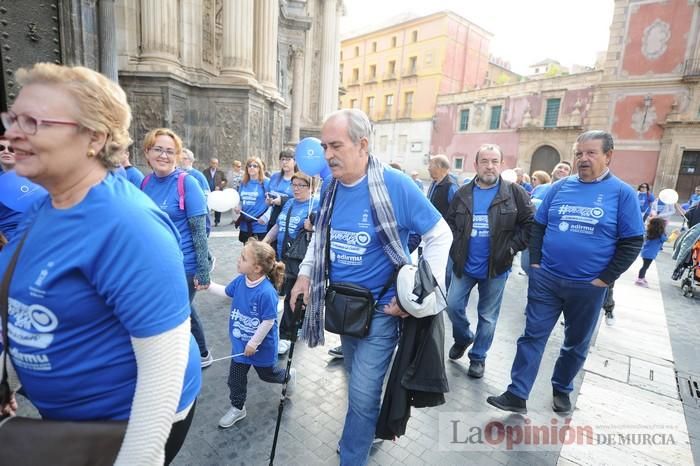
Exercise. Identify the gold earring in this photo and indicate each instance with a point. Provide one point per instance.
(91, 153)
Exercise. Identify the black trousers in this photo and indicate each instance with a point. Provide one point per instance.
(217, 217)
(177, 436)
(238, 380)
(645, 265)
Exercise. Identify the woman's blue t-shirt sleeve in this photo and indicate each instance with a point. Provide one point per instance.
(195, 201)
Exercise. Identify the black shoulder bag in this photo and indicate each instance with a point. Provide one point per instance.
(29, 441)
(293, 250)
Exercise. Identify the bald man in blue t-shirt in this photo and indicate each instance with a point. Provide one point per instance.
(587, 232)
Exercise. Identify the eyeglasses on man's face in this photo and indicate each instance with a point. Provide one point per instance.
(7, 148)
(161, 150)
(299, 185)
(29, 124)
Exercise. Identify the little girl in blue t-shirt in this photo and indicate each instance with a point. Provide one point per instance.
(253, 324)
(653, 242)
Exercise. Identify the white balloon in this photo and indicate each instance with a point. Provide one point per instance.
(219, 202)
(668, 196)
(509, 175)
(232, 194)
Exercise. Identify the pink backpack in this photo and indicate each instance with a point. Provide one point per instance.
(180, 187)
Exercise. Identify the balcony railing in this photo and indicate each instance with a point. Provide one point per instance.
(410, 71)
(691, 69)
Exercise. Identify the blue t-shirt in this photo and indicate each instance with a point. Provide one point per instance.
(299, 213)
(539, 191)
(249, 307)
(280, 186)
(134, 175)
(645, 200)
(88, 279)
(652, 247)
(477, 264)
(526, 186)
(199, 176)
(8, 221)
(356, 253)
(253, 203)
(163, 191)
(694, 199)
(584, 222)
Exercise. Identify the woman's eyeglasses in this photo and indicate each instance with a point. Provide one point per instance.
(4, 148)
(29, 124)
(160, 151)
(299, 185)
(253, 165)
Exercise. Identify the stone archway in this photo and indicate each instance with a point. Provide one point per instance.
(545, 158)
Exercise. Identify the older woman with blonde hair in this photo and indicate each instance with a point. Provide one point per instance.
(100, 314)
(252, 208)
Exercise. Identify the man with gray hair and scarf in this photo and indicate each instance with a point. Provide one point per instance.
(361, 236)
(587, 232)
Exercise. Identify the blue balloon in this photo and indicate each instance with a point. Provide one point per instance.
(309, 156)
(18, 193)
(326, 172)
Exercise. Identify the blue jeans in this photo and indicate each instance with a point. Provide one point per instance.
(196, 324)
(547, 297)
(488, 308)
(366, 361)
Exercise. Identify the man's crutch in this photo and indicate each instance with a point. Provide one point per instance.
(299, 310)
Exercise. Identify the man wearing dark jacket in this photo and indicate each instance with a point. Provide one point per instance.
(490, 220)
(217, 181)
(587, 232)
(442, 189)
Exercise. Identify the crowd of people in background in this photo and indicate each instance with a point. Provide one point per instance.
(137, 324)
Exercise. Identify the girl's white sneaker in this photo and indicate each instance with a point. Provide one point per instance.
(231, 417)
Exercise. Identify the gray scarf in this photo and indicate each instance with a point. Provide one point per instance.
(387, 231)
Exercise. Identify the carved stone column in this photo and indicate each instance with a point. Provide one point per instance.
(159, 29)
(108, 39)
(328, 100)
(238, 40)
(297, 56)
(265, 60)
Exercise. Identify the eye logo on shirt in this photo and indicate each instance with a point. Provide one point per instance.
(31, 325)
(564, 226)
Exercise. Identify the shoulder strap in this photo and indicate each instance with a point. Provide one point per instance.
(145, 180)
(4, 306)
(286, 229)
(181, 189)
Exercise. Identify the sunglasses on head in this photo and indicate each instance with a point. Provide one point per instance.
(4, 148)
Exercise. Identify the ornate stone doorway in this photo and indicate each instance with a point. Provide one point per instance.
(545, 158)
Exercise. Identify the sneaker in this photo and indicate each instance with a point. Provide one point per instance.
(476, 369)
(291, 382)
(283, 347)
(609, 318)
(508, 402)
(231, 417)
(561, 403)
(645, 283)
(457, 350)
(376, 441)
(207, 360)
(336, 352)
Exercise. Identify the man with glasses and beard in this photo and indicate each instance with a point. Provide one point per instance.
(490, 220)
